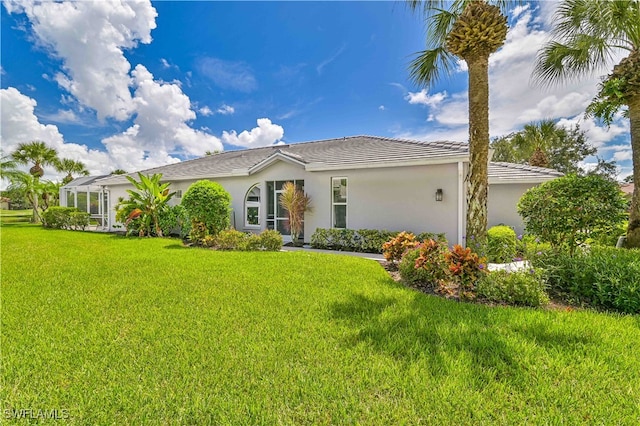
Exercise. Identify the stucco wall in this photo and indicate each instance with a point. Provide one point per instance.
(502, 205)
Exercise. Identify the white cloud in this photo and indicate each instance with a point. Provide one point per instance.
(206, 111)
(422, 98)
(225, 110)
(228, 74)
(265, 134)
(20, 124)
(90, 38)
(165, 63)
(323, 64)
(623, 155)
(381, 108)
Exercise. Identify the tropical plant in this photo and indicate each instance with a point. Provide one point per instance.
(38, 154)
(296, 203)
(586, 35)
(8, 168)
(567, 211)
(207, 203)
(145, 204)
(71, 167)
(471, 30)
(393, 249)
(31, 189)
(432, 259)
(466, 268)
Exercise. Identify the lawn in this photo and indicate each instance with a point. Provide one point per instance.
(11, 216)
(143, 331)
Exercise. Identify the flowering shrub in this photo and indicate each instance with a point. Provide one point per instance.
(465, 267)
(501, 244)
(393, 249)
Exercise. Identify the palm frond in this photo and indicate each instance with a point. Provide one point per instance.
(430, 65)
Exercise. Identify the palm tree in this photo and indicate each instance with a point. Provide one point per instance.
(39, 154)
(587, 34)
(71, 167)
(535, 141)
(471, 30)
(8, 169)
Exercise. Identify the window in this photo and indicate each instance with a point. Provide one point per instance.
(339, 202)
(252, 207)
(277, 216)
(178, 193)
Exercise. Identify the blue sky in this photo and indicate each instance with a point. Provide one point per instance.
(136, 85)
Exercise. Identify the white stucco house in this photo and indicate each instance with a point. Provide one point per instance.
(354, 182)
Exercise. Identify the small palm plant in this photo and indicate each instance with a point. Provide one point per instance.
(146, 203)
(296, 203)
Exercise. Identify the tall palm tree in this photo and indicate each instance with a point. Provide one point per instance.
(535, 141)
(38, 154)
(71, 167)
(586, 35)
(8, 168)
(470, 30)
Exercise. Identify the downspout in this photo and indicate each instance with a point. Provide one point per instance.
(461, 199)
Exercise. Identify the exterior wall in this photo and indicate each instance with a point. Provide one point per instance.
(394, 198)
(503, 202)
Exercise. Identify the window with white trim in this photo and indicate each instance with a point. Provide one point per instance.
(252, 207)
(339, 202)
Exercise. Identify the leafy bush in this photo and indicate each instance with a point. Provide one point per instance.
(79, 220)
(209, 203)
(567, 210)
(271, 240)
(501, 244)
(515, 288)
(57, 217)
(371, 240)
(603, 277)
(408, 270)
(432, 259)
(198, 232)
(173, 221)
(393, 249)
(230, 239)
(466, 268)
(362, 240)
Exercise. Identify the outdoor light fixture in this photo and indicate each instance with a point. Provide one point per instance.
(439, 194)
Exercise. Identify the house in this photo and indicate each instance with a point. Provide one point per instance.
(354, 182)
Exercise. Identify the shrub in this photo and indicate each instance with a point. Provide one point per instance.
(603, 277)
(408, 270)
(501, 244)
(173, 221)
(393, 249)
(198, 232)
(515, 288)
(58, 217)
(362, 240)
(466, 267)
(432, 259)
(371, 240)
(79, 220)
(209, 203)
(566, 210)
(271, 240)
(230, 239)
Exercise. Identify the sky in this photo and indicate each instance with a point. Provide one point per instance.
(134, 85)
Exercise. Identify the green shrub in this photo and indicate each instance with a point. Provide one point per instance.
(79, 220)
(362, 240)
(271, 240)
(58, 217)
(567, 210)
(208, 202)
(602, 277)
(432, 260)
(173, 221)
(501, 244)
(408, 271)
(230, 239)
(393, 249)
(371, 240)
(515, 288)
(198, 232)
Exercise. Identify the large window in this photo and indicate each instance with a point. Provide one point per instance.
(277, 216)
(252, 207)
(339, 202)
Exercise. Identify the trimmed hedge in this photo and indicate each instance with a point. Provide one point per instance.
(501, 244)
(209, 203)
(231, 239)
(65, 218)
(514, 288)
(361, 240)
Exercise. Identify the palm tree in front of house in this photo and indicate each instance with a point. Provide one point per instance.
(470, 30)
(586, 36)
(71, 167)
(38, 154)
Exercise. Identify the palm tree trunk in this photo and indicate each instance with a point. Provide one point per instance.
(478, 152)
(633, 231)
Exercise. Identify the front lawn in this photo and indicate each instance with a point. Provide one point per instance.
(131, 331)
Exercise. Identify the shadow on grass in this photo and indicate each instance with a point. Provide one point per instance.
(176, 246)
(447, 332)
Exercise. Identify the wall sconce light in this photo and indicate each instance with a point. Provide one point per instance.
(439, 194)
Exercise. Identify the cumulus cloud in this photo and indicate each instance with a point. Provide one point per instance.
(225, 110)
(423, 98)
(265, 134)
(91, 40)
(20, 124)
(228, 74)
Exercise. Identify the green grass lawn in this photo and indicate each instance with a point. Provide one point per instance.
(142, 331)
(12, 216)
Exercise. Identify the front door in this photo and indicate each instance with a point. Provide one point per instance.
(277, 216)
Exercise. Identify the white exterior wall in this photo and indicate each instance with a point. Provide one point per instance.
(392, 198)
(503, 202)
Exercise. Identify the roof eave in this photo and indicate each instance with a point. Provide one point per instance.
(320, 167)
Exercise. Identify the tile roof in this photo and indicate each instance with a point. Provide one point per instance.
(84, 181)
(509, 172)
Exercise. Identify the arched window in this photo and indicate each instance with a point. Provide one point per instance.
(252, 207)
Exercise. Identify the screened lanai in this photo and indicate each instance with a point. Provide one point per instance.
(87, 197)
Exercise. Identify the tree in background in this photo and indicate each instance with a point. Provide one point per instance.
(71, 167)
(38, 154)
(296, 203)
(586, 35)
(119, 172)
(470, 30)
(544, 144)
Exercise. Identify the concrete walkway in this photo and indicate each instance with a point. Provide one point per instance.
(372, 256)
